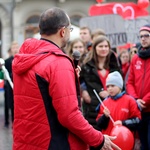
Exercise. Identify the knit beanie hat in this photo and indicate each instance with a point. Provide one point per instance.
(114, 78)
(145, 27)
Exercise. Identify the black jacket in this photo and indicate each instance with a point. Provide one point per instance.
(90, 77)
(7, 87)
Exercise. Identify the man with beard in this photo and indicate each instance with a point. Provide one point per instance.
(46, 93)
(138, 84)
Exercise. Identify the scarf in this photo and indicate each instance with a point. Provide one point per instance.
(118, 95)
(144, 52)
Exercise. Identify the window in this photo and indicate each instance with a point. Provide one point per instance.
(75, 19)
(32, 26)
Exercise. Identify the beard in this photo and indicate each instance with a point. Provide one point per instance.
(64, 42)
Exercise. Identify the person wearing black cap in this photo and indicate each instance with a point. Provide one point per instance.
(138, 84)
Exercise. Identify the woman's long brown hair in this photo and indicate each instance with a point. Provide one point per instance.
(92, 53)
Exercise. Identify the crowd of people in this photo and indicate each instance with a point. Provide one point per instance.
(54, 103)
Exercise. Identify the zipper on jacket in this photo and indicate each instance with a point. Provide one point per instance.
(143, 79)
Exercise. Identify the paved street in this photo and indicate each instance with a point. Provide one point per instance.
(5, 133)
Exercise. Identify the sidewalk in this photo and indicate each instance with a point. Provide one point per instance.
(5, 133)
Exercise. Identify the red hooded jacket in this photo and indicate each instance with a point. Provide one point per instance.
(46, 107)
(138, 84)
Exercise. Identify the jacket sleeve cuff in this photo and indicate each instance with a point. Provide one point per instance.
(99, 146)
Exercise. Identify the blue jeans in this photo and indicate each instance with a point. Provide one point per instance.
(144, 131)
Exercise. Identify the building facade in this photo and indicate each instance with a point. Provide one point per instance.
(19, 18)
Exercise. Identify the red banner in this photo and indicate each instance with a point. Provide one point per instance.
(126, 10)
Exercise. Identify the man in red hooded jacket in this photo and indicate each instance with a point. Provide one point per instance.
(47, 112)
(138, 84)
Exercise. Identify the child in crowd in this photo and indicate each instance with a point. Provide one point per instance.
(122, 107)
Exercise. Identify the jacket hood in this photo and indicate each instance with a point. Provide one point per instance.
(31, 52)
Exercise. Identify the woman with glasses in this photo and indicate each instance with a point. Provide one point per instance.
(133, 50)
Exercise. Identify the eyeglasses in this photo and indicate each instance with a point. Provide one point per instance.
(70, 28)
(133, 52)
(144, 36)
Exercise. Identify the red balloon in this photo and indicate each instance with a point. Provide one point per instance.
(125, 139)
(143, 3)
(99, 1)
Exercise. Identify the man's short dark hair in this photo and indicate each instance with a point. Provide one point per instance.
(85, 27)
(52, 20)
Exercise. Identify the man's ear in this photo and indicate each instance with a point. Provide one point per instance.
(62, 32)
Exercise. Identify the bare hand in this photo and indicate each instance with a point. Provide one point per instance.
(141, 103)
(108, 144)
(118, 122)
(106, 112)
(78, 70)
(86, 97)
(103, 94)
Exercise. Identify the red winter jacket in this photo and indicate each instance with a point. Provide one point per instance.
(138, 84)
(46, 112)
(123, 108)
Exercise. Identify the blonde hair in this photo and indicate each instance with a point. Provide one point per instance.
(69, 50)
(97, 32)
